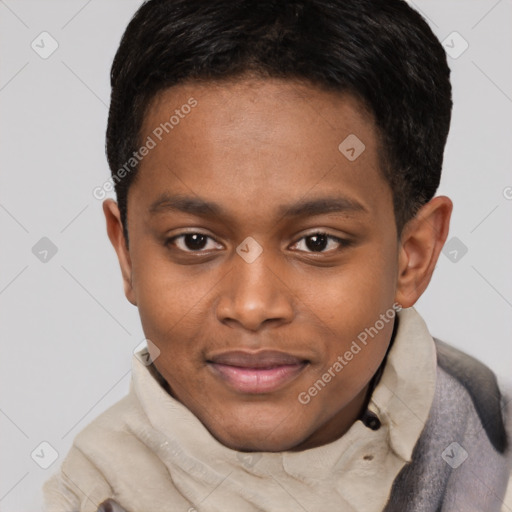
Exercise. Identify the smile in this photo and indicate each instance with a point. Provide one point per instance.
(263, 372)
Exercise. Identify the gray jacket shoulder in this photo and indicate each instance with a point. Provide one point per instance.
(481, 384)
(463, 456)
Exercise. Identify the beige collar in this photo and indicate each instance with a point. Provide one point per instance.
(404, 395)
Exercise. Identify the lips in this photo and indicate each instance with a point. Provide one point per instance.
(256, 373)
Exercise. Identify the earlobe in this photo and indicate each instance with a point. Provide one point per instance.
(421, 242)
(116, 236)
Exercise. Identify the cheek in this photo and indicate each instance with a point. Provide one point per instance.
(171, 303)
(350, 362)
(356, 293)
(170, 299)
(353, 300)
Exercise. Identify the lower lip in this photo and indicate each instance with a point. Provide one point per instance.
(257, 380)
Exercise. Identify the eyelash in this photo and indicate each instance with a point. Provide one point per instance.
(342, 242)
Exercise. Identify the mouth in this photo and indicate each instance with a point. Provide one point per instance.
(256, 373)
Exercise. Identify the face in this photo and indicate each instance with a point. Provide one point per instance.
(258, 253)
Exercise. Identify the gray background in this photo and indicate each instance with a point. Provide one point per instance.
(68, 333)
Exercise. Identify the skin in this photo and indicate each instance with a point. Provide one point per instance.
(252, 146)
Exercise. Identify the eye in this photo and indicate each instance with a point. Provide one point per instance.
(319, 242)
(193, 242)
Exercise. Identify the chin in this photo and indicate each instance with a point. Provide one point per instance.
(254, 434)
(253, 442)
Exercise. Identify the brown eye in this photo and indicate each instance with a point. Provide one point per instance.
(192, 242)
(319, 242)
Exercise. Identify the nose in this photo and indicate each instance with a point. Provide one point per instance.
(254, 295)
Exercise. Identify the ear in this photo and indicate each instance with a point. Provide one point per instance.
(421, 242)
(116, 236)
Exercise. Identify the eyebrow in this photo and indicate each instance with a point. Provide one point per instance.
(311, 207)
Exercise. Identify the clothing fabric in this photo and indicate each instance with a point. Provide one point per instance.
(148, 452)
(462, 461)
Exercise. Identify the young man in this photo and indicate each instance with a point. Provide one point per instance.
(275, 165)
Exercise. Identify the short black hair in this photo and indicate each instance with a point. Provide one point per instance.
(382, 51)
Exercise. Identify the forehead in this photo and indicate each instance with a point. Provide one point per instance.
(255, 145)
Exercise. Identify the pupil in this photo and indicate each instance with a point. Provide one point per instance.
(195, 241)
(316, 242)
